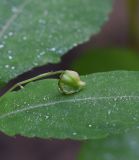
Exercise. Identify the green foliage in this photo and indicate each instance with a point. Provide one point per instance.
(34, 33)
(108, 105)
(123, 147)
(2, 84)
(106, 59)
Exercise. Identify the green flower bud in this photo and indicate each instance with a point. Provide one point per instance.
(70, 82)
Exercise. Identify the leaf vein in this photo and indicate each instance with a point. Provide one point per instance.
(65, 101)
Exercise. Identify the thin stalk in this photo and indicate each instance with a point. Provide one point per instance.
(133, 6)
(33, 79)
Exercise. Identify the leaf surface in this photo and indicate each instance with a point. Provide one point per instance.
(108, 105)
(34, 33)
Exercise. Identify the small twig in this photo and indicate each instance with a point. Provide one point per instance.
(20, 84)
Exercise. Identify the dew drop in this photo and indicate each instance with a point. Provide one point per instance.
(13, 67)
(46, 117)
(75, 44)
(10, 33)
(109, 112)
(74, 133)
(1, 46)
(25, 102)
(42, 53)
(44, 98)
(115, 99)
(90, 125)
(52, 49)
(134, 118)
(6, 66)
(14, 9)
(35, 63)
(10, 57)
(24, 38)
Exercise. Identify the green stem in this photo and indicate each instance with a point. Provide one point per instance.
(33, 79)
(133, 23)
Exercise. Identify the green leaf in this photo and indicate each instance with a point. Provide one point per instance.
(106, 59)
(2, 84)
(123, 147)
(108, 105)
(33, 33)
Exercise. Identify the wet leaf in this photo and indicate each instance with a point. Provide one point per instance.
(34, 33)
(108, 105)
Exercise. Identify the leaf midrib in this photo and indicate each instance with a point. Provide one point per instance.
(66, 101)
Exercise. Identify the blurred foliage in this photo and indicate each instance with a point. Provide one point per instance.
(2, 84)
(106, 59)
(121, 147)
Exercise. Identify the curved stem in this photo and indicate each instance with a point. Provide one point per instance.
(33, 79)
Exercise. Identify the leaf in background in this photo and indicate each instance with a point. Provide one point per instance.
(33, 33)
(106, 59)
(2, 84)
(108, 105)
(124, 147)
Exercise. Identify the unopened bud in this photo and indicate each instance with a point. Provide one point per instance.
(70, 82)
